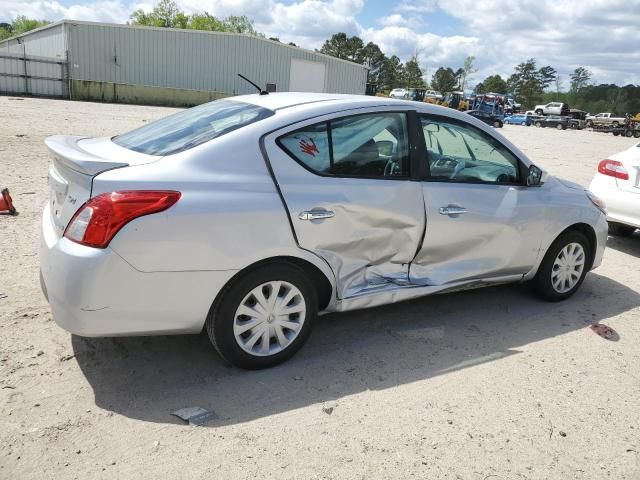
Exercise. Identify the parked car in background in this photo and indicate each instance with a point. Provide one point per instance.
(553, 108)
(433, 94)
(514, 106)
(330, 203)
(577, 119)
(609, 119)
(398, 93)
(617, 183)
(556, 121)
(517, 119)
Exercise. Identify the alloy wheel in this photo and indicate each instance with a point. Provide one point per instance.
(568, 267)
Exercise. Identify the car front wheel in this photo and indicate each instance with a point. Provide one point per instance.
(264, 317)
(563, 268)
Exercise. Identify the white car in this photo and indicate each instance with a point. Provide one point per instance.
(246, 217)
(617, 183)
(399, 93)
(553, 108)
(433, 94)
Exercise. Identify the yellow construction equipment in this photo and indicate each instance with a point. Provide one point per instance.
(453, 100)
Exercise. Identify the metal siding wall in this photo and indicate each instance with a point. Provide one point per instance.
(46, 43)
(51, 73)
(194, 60)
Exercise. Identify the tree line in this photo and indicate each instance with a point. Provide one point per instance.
(529, 84)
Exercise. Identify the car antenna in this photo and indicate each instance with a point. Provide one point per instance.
(262, 92)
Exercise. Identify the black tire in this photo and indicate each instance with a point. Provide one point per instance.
(219, 324)
(538, 124)
(560, 126)
(497, 124)
(615, 124)
(620, 229)
(615, 134)
(539, 112)
(628, 133)
(636, 134)
(542, 284)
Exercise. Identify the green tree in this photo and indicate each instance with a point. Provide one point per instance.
(466, 71)
(526, 83)
(579, 79)
(444, 80)
(164, 14)
(371, 56)
(546, 76)
(391, 73)
(240, 24)
(20, 25)
(205, 21)
(493, 83)
(342, 46)
(413, 74)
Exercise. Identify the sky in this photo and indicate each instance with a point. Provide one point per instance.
(601, 35)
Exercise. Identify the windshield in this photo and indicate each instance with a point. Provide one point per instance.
(192, 127)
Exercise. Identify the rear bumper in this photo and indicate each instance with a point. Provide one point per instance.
(622, 206)
(94, 292)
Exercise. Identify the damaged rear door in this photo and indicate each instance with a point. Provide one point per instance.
(346, 184)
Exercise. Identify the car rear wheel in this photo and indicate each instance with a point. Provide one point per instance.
(620, 229)
(636, 134)
(559, 127)
(264, 317)
(538, 124)
(563, 268)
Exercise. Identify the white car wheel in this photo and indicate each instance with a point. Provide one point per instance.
(263, 316)
(563, 267)
(567, 268)
(269, 318)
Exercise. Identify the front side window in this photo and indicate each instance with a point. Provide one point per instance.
(459, 152)
(370, 145)
(192, 127)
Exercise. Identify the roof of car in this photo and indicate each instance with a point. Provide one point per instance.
(280, 100)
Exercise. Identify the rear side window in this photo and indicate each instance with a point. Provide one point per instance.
(370, 145)
(192, 127)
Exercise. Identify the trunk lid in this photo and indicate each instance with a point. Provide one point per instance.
(630, 159)
(75, 162)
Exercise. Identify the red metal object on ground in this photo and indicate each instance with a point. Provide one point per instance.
(6, 203)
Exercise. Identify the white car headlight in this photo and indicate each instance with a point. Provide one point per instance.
(597, 201)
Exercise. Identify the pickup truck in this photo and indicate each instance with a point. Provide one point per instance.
(553, 108)
(605, 119)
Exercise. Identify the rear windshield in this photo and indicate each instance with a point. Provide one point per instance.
(186, 129)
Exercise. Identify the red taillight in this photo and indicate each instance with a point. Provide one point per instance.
(613, 168)
(98, 220)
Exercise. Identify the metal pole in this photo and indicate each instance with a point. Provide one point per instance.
(26, 74)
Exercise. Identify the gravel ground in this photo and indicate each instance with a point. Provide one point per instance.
(487, 384)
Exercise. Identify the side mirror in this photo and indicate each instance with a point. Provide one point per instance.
(535, 176)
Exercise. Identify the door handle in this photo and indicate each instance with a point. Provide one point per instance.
(316, 214)
(452, 210)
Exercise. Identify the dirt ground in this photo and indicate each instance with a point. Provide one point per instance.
(487, 384)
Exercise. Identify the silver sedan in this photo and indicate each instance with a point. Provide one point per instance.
(246, 217)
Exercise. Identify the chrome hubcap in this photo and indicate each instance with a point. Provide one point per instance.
(269, 318)
(567, 268)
